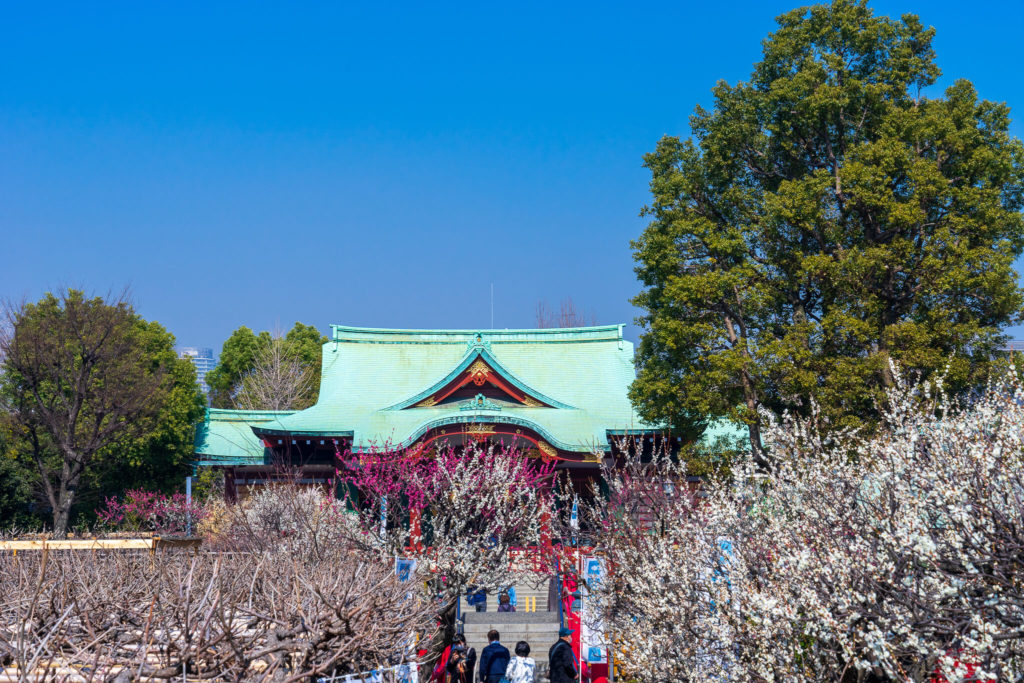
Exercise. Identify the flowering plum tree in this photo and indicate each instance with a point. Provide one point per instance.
(462, 511)
(140, 510)
(897, 556)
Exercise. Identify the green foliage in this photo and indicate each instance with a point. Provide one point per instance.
(161, 458)
(138, 384)
(241, 350)
(208, 484)
(16, 510)
(824, 219)
(237, 357)
(19, 504)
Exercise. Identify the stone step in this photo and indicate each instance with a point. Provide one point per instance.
(510, 618)
(539, 645)
(531, 630)
(539, 629)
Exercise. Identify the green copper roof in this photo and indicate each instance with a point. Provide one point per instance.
(225, 437)
(372, 381)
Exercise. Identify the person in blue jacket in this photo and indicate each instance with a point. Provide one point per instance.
(494, 659)
(562, 660)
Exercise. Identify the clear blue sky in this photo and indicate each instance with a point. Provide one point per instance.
(377, 164)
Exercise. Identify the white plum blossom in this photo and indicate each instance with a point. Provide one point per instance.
(897, 555)
(477, 506)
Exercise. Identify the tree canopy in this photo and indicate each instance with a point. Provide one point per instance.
(825, 218)
(267, 370)
(96, 401)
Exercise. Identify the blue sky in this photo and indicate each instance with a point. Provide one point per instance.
(376, 164)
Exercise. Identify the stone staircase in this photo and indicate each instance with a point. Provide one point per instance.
(529, 592)
(539, 628)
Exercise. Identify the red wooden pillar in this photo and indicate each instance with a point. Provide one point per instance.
(415, 530)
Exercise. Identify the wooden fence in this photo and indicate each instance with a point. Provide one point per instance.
(151, 544)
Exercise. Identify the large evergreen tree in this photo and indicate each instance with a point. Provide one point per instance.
(825, 218)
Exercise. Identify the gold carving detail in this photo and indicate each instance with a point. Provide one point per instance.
(478, 372)
(479, 429)
(427, 402)
(592, 456)
(532, 402)
(547, 449)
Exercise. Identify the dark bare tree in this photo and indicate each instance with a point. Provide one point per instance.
(567, 315)
(240, 616)
(77, 378)
(278, 380)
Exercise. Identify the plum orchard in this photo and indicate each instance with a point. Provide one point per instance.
(898, 555)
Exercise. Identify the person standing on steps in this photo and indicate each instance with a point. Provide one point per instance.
(455, 670)
(561, 660)
(462, 662)
(494, 659)
(477, 597)
(522, 668)
(505, 603)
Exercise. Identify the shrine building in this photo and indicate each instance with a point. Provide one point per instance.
(559, 394)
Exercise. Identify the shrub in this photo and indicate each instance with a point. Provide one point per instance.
(142, 510)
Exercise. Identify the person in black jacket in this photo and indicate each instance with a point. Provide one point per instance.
(494, 659)
(462, 662)
(562, 660)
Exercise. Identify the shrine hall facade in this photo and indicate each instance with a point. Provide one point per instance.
(559, 394)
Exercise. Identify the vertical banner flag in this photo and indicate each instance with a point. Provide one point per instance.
(574, 518)
(593, 649)
(404, 568)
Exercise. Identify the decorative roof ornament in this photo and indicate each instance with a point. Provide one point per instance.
(479, 402)
(479, 341)
(479, 372)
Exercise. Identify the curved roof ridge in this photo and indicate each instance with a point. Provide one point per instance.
(473, 354)
(426, 426)
(340, 333)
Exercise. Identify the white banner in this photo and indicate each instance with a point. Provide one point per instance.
(592, 644)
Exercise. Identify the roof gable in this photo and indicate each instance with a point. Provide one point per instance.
(479, 368)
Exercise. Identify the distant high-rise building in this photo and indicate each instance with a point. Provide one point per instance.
(203, 359)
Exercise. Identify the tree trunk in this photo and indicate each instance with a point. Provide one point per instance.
(70, 475)
(750, 399)
(60, 519)
(754, 426)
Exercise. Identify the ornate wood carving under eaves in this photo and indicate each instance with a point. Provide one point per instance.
(481, 429)
(546, 449)
(478, 372)
(479, 402)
